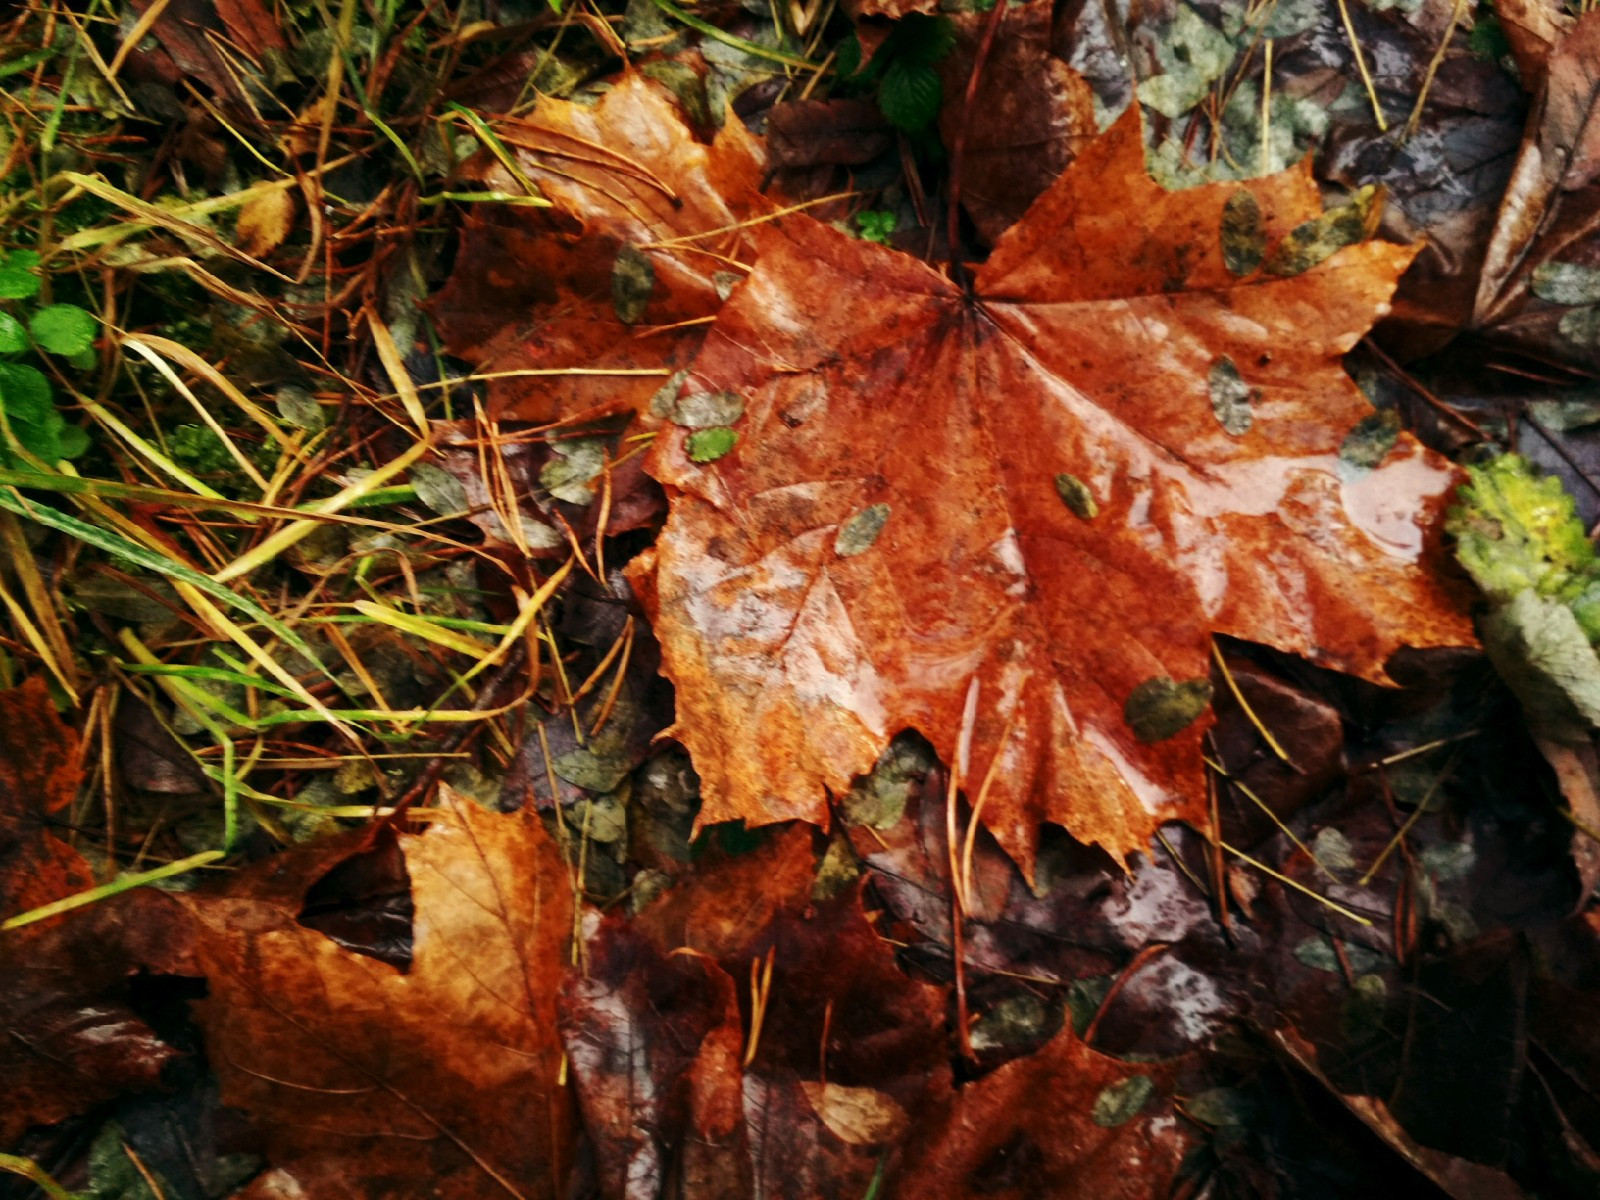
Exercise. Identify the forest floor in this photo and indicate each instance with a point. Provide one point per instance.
(858, 599)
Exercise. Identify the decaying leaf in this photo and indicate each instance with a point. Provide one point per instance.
(375, 1082)
(39, 776)
(1084, 351)
(1032, 113)
(1063, 1122)
(540, 289)
(1550, 205)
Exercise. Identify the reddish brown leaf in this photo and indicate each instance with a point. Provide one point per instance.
(69, 1037)
(901, 515)
(810, 133)
(1031, 115)
(383, 1083)
(849, 1047)
(1064, 1122)
(533, 291)
(39, 775)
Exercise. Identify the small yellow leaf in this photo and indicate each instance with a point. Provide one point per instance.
(265, 222)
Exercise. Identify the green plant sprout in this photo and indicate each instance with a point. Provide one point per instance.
(26, 398)
(876, 225)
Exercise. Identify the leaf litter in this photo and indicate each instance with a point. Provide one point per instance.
(1081, 777)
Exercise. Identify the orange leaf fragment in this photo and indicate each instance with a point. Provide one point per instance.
(1072, 501)
(533, 289)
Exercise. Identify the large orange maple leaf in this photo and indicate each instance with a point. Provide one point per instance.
(1029, 482)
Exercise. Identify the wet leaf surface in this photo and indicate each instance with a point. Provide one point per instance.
(805, 664)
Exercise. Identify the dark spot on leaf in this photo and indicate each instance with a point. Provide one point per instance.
(702, 410)
(1318, 239)
(1581, 326)
(1120, 1102)
(1369, 443)
(1075, 494)
(1231, 397)
(1244, 239)
(633, 278)
(860, 531)
(1161, 707)
(1566, 283)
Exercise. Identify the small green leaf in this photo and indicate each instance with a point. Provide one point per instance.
(71, 441)
(708, 445)
(17, 283)
(1244, 237)
(13, 337)
(1231, 397)
(1120, 1102)
(857, 535)
(25, 395)
(633, 279)
(1566, 283)
(64, 328)
(909, 95)
(1075, 494)
(1161, 707)
(876, 225)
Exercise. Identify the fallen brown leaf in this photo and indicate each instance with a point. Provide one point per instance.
(380, 1083)
(1033, 485)
(1551, 205)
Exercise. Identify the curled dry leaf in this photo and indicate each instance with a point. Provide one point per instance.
(1084, 348)
(373, 1082)
(1551, 206)
(533, 289)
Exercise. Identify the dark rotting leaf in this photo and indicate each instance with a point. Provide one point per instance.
(633, 278)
